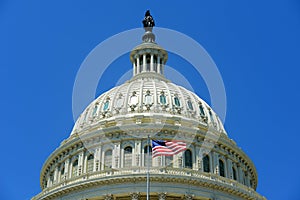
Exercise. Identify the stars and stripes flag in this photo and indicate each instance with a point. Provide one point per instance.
(167, 148)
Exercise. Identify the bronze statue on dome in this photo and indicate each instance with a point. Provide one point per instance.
(148, 20)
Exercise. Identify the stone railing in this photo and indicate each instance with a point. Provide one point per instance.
(203, 177)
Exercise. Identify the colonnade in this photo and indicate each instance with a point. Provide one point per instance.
(113, 156)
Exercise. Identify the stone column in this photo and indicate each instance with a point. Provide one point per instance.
(158, 64)
(67, 168)
(116, 156)
(48, 181)
(138, 67)
(240, 174)
(135, 196)
(85, 162)
(144, 63)
(199, 157)
(80, 163)
(215, 163)
(229, 169)
(55, 178)
(134, 68)
(151, 63)
(137, 153)
(58, 174)
(97, 160)
(247, 180)
(70, 168)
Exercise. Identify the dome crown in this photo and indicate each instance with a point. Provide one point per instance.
(148, 92)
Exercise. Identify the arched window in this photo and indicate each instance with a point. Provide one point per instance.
(169, 161)
(108, 159)
(176, 101)
(74, 168)
(188, 160)
(206, 165)
(146, 158)
(106, 105)
(128, 156)
(234, 174)
(162, 99)
(221, 168)
(95, 110)
(90, 163)
(148, 98)
(201, 110)
(211, 117)
(85, 115)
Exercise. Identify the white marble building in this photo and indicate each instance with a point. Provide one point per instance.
(106, 157)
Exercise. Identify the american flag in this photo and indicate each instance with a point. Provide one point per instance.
(167, 148)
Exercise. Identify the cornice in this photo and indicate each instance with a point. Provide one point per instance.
(161, 175)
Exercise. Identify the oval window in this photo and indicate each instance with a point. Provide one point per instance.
(106, 105)
(176, 101)
(190, 105)
(162, 99)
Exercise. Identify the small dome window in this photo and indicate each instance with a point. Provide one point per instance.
(119, 103)
(201, 109)
(148, 98)
(134, 99)
(106, 104)
(95, 110)
(162, 98)
(85, 115)
(190, 105)
(176, 101)
(211, 117)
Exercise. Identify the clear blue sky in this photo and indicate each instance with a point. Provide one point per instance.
(255, 45)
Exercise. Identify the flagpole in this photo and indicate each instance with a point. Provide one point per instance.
(148, 166)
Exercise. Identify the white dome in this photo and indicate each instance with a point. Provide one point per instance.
(148, 93)
(112, 158)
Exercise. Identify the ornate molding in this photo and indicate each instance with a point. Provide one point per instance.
(108, 197)
(162, 196)
(170, 175)
(188, 197)
(135, 195)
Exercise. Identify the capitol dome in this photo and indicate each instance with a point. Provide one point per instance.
(108, 156)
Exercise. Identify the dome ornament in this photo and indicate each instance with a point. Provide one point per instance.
(148, 23)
